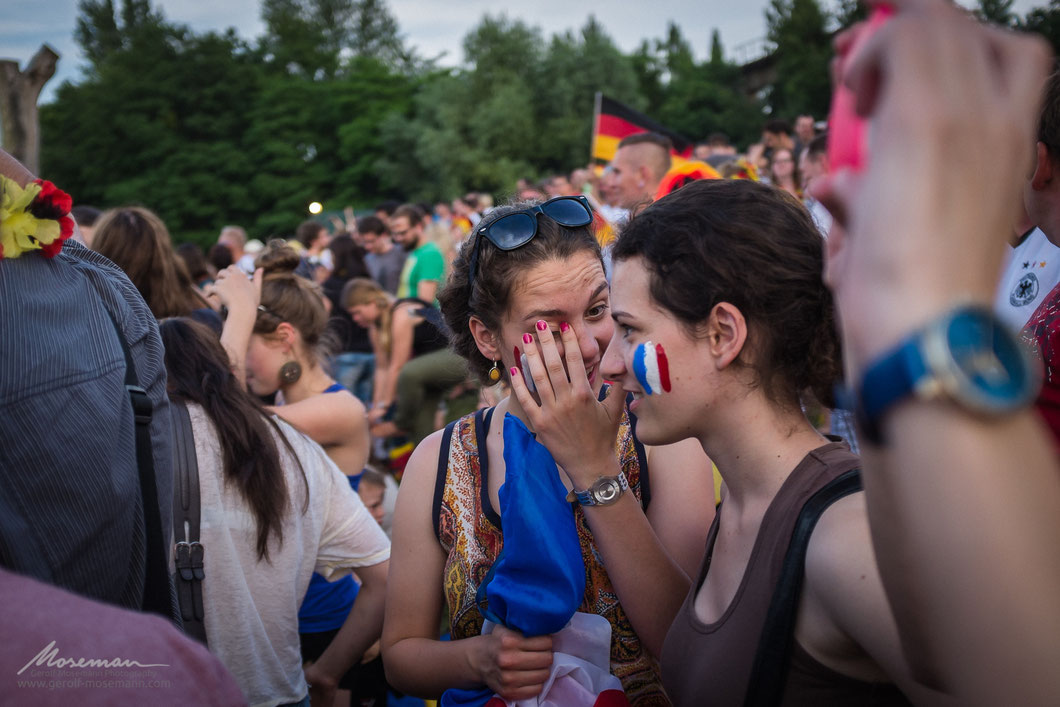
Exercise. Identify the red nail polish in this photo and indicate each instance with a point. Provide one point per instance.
(515, 354)
(564, 326)
(513, 371)
(541, 325)
(527, 339)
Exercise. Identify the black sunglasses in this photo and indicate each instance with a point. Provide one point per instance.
(518, 228)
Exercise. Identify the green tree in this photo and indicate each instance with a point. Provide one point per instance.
(804, 50)
(318, 38)
(1046, 22)
(847, 12)
(998, 12)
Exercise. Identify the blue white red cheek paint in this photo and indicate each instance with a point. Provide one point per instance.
(651, 368)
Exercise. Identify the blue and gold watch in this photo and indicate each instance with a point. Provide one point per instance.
(968, 356)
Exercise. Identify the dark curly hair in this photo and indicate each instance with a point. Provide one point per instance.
(496, 275)
(756, 247)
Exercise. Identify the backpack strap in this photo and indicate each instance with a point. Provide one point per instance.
(158, 593)
(187, 508)
(773, 656)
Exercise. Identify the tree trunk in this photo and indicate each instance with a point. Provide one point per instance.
(19, 91)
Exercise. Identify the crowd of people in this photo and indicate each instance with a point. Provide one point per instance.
(318, 456)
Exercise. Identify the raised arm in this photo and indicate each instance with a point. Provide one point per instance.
(964, 509)
(240, 295)
(580, 434)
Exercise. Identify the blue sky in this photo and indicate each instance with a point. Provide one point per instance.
(433, 26)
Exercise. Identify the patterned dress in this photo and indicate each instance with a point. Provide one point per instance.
(469, 531)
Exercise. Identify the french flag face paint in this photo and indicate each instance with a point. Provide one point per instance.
(651, 368)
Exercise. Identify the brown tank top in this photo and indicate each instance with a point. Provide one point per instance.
(710, 664)
(469, 531)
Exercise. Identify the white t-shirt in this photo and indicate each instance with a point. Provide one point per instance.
(1031, 270)
(822, 217)
(251, 606)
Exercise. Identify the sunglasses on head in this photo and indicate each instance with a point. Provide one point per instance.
(518, 228)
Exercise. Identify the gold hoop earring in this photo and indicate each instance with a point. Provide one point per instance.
(495, 373)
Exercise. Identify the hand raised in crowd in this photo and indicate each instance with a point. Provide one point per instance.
(576, 428)
(237, 292)
(919, 232)
(922, 223)
(240, 295)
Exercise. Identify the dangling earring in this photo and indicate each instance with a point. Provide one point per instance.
(495, 373)
(290, 372)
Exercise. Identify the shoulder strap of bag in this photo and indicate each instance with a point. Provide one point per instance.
(157, 587)
(187, 507)
(770, 670)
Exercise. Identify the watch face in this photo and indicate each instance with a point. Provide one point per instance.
(606, 490)
(989, 368)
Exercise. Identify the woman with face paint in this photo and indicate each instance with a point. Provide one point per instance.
(723, 328)
(526, 274)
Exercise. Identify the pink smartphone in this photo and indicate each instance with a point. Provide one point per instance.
(847, 132)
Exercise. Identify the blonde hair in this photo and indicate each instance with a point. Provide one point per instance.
(360, 291)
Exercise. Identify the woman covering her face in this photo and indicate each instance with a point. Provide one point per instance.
(525, 275)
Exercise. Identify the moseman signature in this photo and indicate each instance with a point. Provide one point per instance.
(48, 654)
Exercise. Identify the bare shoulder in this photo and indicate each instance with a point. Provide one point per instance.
(840, 548)
(421, 472)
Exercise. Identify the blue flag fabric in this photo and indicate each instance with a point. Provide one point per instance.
(538, 581)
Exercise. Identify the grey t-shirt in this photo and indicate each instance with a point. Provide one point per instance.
(386, 268)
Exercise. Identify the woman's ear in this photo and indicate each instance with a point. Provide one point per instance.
(286, 335)
(726, 334)
(487, 342)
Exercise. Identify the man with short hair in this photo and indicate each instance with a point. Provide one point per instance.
(776, 135)
(424, 267)
(804, 130)
(384, 260)
(558, 185)
(639, 164)
(235, 238)
(721, 150)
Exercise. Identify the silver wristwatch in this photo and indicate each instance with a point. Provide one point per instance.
(604, 491)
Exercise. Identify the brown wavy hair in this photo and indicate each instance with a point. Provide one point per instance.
(137, 241)
(495, 277)
(756, 247)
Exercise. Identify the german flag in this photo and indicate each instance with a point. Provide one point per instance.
(613, 121)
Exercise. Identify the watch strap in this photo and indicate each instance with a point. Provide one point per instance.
(886, 381)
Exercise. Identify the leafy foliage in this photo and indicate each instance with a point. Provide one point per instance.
(798, 28)
(330, 105)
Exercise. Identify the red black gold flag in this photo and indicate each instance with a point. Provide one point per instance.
(613, 121)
